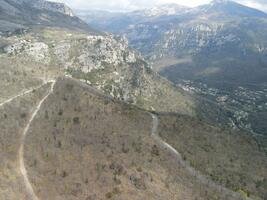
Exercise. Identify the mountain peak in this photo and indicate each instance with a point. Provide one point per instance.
(53, 6)
(47, 5)
(232, 8)
(31, 12)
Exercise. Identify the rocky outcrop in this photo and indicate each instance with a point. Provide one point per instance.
(97, 52)
(24, 14)
(105, 62)
(53, 6)
(41, 5)
(220, 41)
(37, 50)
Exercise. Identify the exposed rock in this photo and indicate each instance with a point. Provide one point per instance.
(105, 62)
(37, 50)
(44, 5)
(53, 6)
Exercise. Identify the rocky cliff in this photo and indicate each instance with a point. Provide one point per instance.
(53, 6)
(19, 15)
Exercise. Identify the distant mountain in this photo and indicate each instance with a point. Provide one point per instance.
(101, 60)
(229, 8)
(218, 49)
(17, 15)
(165, 9)
(117, 22)
(218, 41)
(104, 20)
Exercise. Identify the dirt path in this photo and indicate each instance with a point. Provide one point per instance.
(22, 168)
(22, 94)
(229, 194)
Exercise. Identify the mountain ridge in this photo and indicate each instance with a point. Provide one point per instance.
(231, 8)
(217, 50)
(19, 15)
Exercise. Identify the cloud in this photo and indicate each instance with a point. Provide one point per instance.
(139, 4)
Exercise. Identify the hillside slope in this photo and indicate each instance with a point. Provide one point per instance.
(222, 41)
(20, 15)
(14, 117)
(104, 62)
(217, 51)
(82, 144)
(223, 155)
(218, 41)
(101, 60)
(118, 22)
(116, 154)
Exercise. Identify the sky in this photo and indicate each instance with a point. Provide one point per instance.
(125, 5)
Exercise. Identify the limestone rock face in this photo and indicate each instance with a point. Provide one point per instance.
(53, 6)
(45, 5)
(104, 62)
(17, 16)
(37, 50)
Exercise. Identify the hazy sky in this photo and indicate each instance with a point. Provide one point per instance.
(138, 4)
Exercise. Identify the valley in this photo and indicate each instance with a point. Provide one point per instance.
(216, 50)
(246, 105)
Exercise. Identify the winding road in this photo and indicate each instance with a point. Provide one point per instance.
(22, 168)
(155, 122)
(22, 94)
(201, 178)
